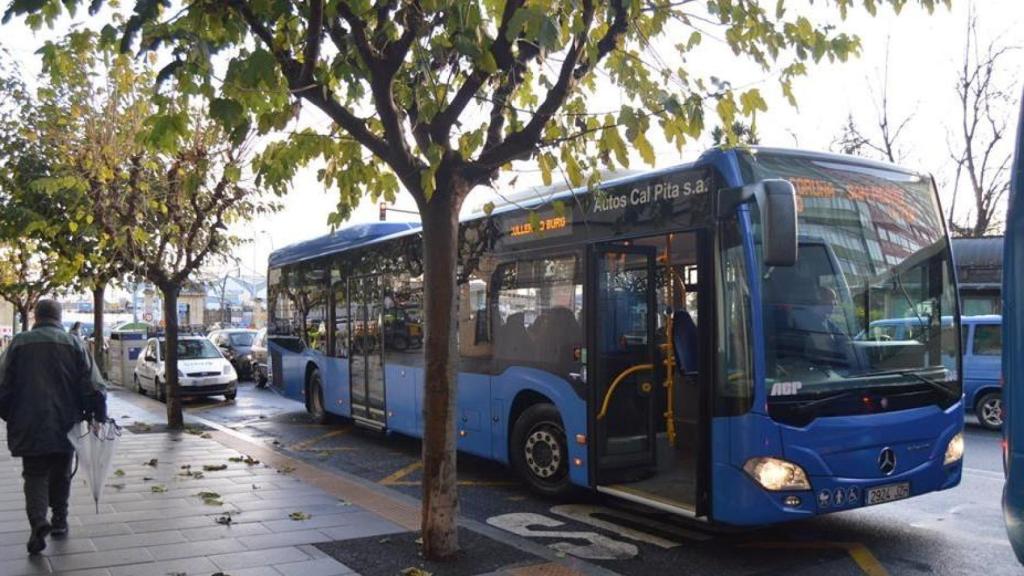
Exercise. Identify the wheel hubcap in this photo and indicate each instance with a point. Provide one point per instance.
(543, 452)
(992, 412)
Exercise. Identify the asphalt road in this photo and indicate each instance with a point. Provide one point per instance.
(958, 531)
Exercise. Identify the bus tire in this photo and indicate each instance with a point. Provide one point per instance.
(989, 410)
(315, 398)
(540, 453)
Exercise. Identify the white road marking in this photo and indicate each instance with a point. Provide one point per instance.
(599, 548)
(588, 515)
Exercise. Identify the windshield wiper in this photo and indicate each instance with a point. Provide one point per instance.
(809, 405)
(937, 386)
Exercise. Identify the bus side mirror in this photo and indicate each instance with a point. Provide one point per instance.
(776, 200)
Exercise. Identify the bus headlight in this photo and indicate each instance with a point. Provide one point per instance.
(775, 474)
(954, 450)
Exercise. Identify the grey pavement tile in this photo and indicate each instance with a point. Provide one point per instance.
(196, 549)
(89, 572)
(284, 539)
(321, 567)
(184, 566)
(103, 559)
(114, 529)
(249, 516)
(259, 558)
(25, 566)
(376, 527)
(319, 521)
(162, 524)
(324, 504)
(10, 538)
(139, 540)
(256, 571)
(14, 526)
(62, 546)
(233, 531)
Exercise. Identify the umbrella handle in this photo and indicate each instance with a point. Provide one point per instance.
(74, 469)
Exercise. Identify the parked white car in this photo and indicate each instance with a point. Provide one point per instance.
(202, 369)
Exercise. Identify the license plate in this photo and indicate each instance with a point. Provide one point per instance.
(206, 381)
(887, 493)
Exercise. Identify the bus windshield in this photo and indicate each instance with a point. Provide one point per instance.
(866, 319)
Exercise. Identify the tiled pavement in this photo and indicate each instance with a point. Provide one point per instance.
(152, 521)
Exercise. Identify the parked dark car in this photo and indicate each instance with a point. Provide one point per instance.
(236, 345)
(260, 356)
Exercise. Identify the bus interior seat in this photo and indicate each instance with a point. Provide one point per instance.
(684, 341)
(513, 341)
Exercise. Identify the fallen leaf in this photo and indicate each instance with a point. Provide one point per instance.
(224, 520)
(286, 470)
(118, 472)
(158, 488)
(299, 516)
(207, 495)
(413, 571)
(214, 467)
(116, 486)
(205, 435)
(147, 478)
(152, 462)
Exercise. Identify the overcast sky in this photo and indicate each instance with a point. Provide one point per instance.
(924, 55)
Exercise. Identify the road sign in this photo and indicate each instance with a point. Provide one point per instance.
(148, 316)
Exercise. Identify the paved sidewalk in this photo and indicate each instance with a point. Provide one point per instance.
(218, 503)
(153, 520)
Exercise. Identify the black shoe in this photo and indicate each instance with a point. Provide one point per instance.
(58, 526)
(37, 543)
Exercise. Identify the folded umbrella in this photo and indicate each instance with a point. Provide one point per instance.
(95, 443)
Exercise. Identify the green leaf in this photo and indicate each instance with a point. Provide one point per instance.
(226, 111)
(488, 208)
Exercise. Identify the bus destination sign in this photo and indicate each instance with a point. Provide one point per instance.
(542, 224)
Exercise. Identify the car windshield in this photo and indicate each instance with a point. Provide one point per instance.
(870, 301)
(242, 338)
(195, 349)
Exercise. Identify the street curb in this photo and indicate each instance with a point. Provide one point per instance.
(381, 500)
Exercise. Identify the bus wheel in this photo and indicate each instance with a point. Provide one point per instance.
(989, 411)
(315, 399)
(540, 454)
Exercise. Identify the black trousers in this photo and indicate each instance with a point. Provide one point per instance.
(47, 485)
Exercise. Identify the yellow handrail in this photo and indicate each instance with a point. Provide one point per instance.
(615, 384)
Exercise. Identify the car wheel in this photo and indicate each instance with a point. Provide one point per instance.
(989, 410)
(315, 399)
(261, 379)
(540, 453)
(231, 395)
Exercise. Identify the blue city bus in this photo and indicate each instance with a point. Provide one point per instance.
(1013, 363)
(683, 339)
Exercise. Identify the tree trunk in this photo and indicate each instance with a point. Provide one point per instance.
(440, 493)
(175, 421)
(23, 310)
(97, 327)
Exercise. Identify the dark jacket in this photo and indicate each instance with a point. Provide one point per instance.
(48, 382)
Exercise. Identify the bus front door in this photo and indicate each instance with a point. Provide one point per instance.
(366, 367)
(622, 307)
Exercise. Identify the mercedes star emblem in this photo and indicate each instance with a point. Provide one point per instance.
(887, 461)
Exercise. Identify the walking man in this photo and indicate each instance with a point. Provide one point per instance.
(48, 383)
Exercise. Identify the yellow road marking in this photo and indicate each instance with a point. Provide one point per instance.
(860, 553)
(396, 479)
(208, 406)
(393, 479)
(306, 444)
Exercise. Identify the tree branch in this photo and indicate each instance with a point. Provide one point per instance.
(314, 36)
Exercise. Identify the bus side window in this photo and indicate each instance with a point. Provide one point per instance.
(536, 314)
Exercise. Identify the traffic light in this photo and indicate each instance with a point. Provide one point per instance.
(383, 212)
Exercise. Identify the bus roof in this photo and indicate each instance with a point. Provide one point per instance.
(339, 240)
(358, 235)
